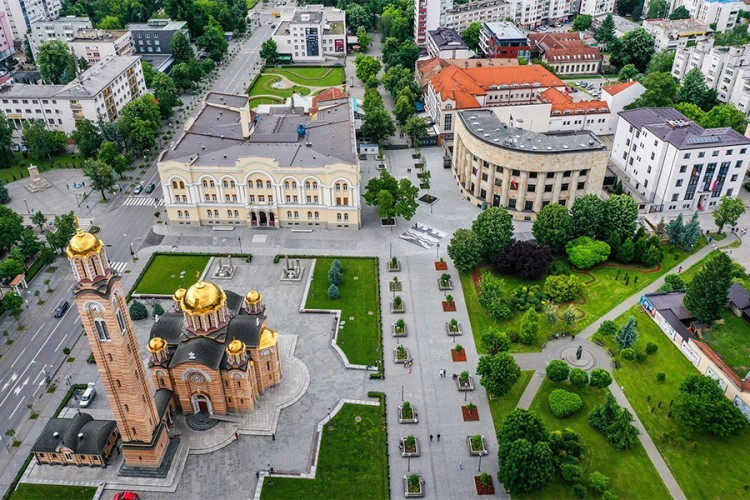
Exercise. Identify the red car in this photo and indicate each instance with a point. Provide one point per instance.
(127, 495)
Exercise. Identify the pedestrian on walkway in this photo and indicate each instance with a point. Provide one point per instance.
(273, 437)
(430, 438)
(461, 464)
(409, 370)
(67, 186)
(679, 270)
(440, 373)
(438, 438)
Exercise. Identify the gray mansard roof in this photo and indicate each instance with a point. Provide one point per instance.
(95, 434)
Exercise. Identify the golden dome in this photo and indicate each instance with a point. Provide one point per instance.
(179, 294)
(252, 297)
(203, 297)
(156, 345)
(236, 347)
(268, 338)
(83, 244)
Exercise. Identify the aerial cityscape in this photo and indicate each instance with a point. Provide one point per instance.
(371, 249)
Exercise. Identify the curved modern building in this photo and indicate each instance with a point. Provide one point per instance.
(520, 170)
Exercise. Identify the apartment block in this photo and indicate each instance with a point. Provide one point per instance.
(312, 33)
(95, 44)
(63, 29)
(459, 17)
(23, 13)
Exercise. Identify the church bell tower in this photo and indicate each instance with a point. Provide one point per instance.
(106, 320)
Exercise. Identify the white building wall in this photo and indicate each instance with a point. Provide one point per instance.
(597, 7)
(22, 13)
(63, 29)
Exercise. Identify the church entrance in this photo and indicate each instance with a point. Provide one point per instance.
(263, 220)
(201, 404)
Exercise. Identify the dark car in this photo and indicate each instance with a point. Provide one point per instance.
(61, 308)
(150, 188)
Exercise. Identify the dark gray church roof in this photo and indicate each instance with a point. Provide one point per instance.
(169, 327)
(201, 350)
(95, 435)
(245, 328)
(161, 399)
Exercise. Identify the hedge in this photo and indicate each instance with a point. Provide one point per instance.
(563, 403)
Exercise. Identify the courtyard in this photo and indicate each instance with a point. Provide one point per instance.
(165, 273)
(274, 85)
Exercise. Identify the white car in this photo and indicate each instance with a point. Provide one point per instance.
(88, 395)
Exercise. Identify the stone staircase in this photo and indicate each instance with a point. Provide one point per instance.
(201, 421)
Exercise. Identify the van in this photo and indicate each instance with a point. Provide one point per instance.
(88, 395)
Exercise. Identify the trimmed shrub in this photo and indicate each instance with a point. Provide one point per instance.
(608, 327)
(571, 472)
(138, 311)
(333, 292)
(335, 277)
(609, 495)
(579, 491)
(557, 370)
(599, 481)
(641, 356)
(600, 378)
(661, 377)
(563, 288)
(578, 377)
(158, 310)
(651, 348)
(628, 353)
(563, 403)
(584, 252)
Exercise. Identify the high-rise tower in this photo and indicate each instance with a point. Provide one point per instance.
(105, 318)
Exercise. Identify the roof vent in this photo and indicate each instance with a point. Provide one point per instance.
(80, 435)
(55, 434)
(225, 156)
(591, 142)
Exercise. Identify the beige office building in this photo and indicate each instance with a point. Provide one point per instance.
(235, 167)
(522, 171)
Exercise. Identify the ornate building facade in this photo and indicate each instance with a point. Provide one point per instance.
(215, 351)
(141, 420)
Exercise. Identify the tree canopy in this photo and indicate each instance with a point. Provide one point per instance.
(56, 63)
(398, 196)
(728, 212)
(499, 373)
(706, 295)
(494, 228)
(464, 249)
(635, 47)
(471, 35)
(43, 143)
(553, 227)
(702, 406)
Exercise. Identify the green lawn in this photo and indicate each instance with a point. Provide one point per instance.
(360, 337)
(251, 3)
(631, 473)
(704, 466)
(162, 276)
(353, 461)
(313, 76)
(28, 491)
(19, 169)
(500, 407)
(731, 340)
(604, 288)
(263, 86)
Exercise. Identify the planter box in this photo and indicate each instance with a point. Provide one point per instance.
(474, 452)
(470, 415)
(441, 266)
(445, 285)
(401, 361)
(453, 333)
(395, 269)
(449, 306)
(414, 453)
(458, 356)
(482, 489)
(414, 417)
(398, 334)
(395, 287)
(398, 311)
(411, 494)
(461, 388)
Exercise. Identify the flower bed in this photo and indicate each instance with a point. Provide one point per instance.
(398, 329)
(394, 265)
(458, 356)
(470, 413)
(410, 447)
(477, 445)
(400, 354)
(398, 306)
(449, 306)
(465, 384)
(445, 282)
(395, 286)
(407, 414)
(413, 486)
(441, 265)
(482, 489)
(453, 328)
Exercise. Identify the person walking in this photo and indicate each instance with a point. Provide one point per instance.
(438, 436)
(430, 438)
(461, 464)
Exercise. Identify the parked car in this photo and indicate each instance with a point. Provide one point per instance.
(126, 495)
(150, 188)
(88, 396)
(61, 308)
(138, 189)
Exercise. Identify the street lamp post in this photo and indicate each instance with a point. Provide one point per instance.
(239, 239)
(437, 251)
(479, 469)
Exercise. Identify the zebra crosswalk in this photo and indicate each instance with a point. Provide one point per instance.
(143, 201)
(117, 266)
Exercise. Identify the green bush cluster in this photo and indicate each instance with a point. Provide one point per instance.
(557, 370)
(525, 297)
(563, 288)
(563, 403)
(138, 311)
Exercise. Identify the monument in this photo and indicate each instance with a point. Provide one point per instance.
(224, 270)
(38, 183)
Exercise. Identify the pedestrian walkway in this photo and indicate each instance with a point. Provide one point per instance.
(118, 267)
(143, 201)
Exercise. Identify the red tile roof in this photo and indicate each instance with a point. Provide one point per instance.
(563, 47)
(562, 103)
(616, 88)
(462, 85)
(330, 94)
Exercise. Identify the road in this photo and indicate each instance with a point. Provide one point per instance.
(37, 350)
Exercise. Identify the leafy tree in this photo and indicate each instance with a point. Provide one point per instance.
(706, 295)
(181, 76)
(139, 123)
(390, 51)
(557, 370)
(378, 126)
(138, 311)
(100, 175)
(165, 93)
(583, 252)
(625, 252)
(578, 377)
(661, 62)
(402, 193)
(563, 288)
(620, 215)
(521, 424)
(213, 42)
(598, 481)
(600, 378)
(12, 302)
(363, 38)
(605, 35)
(498, 373)
(494, 341)
(526, 467)
(29, 243)
(357, 18)
(398, 78)
(269, 51)
(587, 215)
(691, 111)
(11, 227)
(553, 226)
(582, 22)
(65, 228)
(627, 72)
(415, 128)
(408, 53)
(6, 141)
(702, 406)
(725, 115)
(10, 268)
(608, 327)
(657, 9)
(672, 283)
(628, 334)
(56, 63)
(736, 36)
(635, 47)
(564, 403)
(491, 296)
(39, 220)
(695, 90)
(110, 23)
(471, 35)
(604, 414)
(494, 228)
(87, 137)
(529, 327)
(110, 155)
(4, 195)
(728, 212)
(43, 143)
(148, 73)
(464, 250)
(680, 13)
(661, 91)
(524, 258)
(621, 433)
(367, 67)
